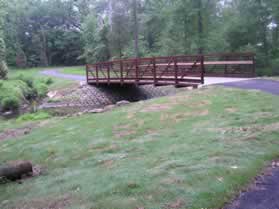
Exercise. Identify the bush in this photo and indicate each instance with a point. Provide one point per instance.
(49, 81)
(3, 70)
(10, 103)
(28, 80)
(38, 88)
(30, 94)
(34, 116)
(41, 89)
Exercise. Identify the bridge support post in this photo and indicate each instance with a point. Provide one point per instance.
(254, 66)
(137, 72)
(97, 74)
(87, 74)
(154, 71)
(176, 72)
(108, 73)
(121, 72)
(202, 69)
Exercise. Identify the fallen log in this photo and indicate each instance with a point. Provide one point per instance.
(15, 171)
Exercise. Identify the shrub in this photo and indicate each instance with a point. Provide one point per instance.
(41, 89)
(28, 80)
(3, 70)
(10, 103)
(49, 81)
(34, 116)
(30, 94)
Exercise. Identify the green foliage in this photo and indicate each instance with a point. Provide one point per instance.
(41, 89)
(3, 65)
(53, 39)
(33, 116)
(38, 87)
(10, 103)
(3, 70)
(48, 81)
(72, 32)
(275, 66)
(96, 40)
(27, 79)
(24, 89)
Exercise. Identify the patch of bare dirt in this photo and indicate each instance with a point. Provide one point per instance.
(181, 116)
(179, 203)
(231, 110)
(199, 104)
(172, 180)
(19, 132)
(120, 131)
(47, 203)
(156, 108)
(109, 148)
(124, 133)
(14, 133)
(108, 163)
(248, 132)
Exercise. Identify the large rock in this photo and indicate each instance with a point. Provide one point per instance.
(109, 107)
(122, 103)
(100, 110)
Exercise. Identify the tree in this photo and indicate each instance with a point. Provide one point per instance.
(136, 27)
(95, 36)
(3, 65)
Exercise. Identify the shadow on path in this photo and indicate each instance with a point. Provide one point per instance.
(268, 86)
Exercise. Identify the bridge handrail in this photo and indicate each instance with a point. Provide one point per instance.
(215, 55)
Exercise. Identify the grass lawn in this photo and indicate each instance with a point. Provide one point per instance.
(35, 73)
(193, 150)
(80, 70)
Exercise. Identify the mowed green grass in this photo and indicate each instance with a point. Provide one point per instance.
(193, 150)
(78, 70)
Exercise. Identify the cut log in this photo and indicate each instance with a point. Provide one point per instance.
(15, 171)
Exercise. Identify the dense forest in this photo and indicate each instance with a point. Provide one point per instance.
(73, 32)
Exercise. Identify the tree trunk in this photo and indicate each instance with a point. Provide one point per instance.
(200, 26)
(15, 171)
(43, 50)
(110, 9)
(136, 29)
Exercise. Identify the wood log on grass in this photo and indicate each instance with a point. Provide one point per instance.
(15, 171)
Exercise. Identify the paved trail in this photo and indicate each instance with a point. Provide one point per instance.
(258, 84)
(57, 74)
(264, 195)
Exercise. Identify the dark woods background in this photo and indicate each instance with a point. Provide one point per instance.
(73, 32)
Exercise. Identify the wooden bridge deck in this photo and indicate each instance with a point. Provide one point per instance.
(188, 70)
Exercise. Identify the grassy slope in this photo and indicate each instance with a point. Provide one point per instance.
(192, 150)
